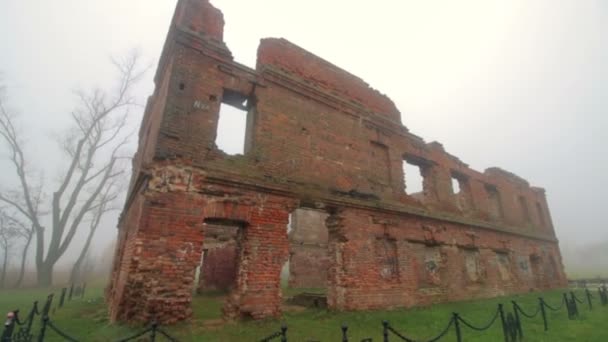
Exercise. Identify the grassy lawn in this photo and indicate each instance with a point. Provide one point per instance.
(86, 320)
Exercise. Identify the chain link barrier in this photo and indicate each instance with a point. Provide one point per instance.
(16, 330)
(281, 333)
(485, 327)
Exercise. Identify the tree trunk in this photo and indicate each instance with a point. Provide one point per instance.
(75, 275)
(45, 274)
(4, 264)
(19, 281)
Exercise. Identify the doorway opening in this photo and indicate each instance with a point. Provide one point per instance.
(217, 271)
(304, 275)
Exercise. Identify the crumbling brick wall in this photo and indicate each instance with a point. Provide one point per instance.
(317, 137)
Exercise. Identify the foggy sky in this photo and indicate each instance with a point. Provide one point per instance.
(517, 84)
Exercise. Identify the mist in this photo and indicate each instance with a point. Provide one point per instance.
(514, 84)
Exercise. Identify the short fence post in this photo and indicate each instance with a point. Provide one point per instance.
(344, 332)
(153, 332)
(84, 286)
(501, 312)
(574, 305)
(284, 332)
(9, 327)
(588, 294)
(541, 302)
(62, 298)
(47, 305)
(520, 331)
(71, 292)
(45, 321)
(30, 318)
(568, 306)
(456, 319)
(385, 331)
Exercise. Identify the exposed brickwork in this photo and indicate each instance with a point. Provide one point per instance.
(317, 137)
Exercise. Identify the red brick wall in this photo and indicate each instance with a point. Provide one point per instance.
(318, 137)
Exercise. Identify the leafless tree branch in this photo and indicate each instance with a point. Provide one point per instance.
(92, 147)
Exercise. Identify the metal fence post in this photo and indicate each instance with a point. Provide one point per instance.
(30, 318)
(284, 332)
(541, 302)
(9, 327)
(574, 305)
(520, 331)
(45, 321)
(71, 292)
(588, 294)
(385, 331)
(457, 326)
(47, 305)
(153, 332)
(344, 332)
(603, 296)
(568, 306)
(501, 312)
(62, 298)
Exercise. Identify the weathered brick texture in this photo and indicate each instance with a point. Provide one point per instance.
(317, 137)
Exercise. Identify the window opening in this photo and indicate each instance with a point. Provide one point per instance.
(455, 185)
(414, 182)
(232, 123)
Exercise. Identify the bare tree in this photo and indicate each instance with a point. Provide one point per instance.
(26, 233)
(9, 235)
(92, 148)
(103, 205)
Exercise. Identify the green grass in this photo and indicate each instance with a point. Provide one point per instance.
(87, 320)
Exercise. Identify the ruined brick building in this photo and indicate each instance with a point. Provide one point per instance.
(324, 154)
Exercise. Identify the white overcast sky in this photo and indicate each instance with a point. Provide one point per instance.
(518, 84)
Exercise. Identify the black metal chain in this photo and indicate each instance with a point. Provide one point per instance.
(403, 338)
(576, 298)
(282, 333)
(167, 336)
(561, 306)
(132, 337)
(485, 327)
(407, 339)
(524, 313)
(61, 333)
(444, 332)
